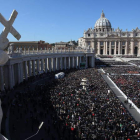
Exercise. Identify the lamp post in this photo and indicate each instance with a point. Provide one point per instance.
(36, 132)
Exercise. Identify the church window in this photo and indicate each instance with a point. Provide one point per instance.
(136, 34)
(112, 43)
(88, 35)
(101, 43)
(88, 42)
(123, 43)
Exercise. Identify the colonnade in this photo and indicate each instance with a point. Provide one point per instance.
(18, 69)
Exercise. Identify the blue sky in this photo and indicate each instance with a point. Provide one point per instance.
(63, 20)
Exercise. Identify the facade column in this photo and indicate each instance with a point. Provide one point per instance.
(119, 45)
(106, 47)
(92, 46)
(132, 47)
(115, 48)
(46, 68)
(69, 62)
(138, 49)
(1, 79)
(99, 47)
(33, 67)
(65, 63)
(126, 47)
(110, 48)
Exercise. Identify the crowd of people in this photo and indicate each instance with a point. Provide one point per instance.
(137, 62)
(68, 111)
(122, 70)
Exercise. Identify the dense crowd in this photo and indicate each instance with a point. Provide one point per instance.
(122, 70)
(129, 84)
(69, 112)
(137, 62)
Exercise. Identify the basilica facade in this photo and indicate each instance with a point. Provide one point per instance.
(107, 41)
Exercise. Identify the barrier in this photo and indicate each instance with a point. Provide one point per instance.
(59, 75)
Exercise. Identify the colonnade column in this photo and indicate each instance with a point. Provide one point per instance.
(1, 79)
(29, 68)
(73, 62)
(33, 67)
(69, 62)
(65, 63)
(42, 62)
(19, 73)
(13, 78)
(54, 64)
(49, 64)
(25, 69)
(37, 65)
(10, 77)
(61, 61)
(46, 68)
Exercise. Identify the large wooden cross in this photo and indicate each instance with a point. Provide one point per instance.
(8, 28)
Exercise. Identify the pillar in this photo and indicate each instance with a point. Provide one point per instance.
(99, 47)
(106, 48)
(65, 63)
(69, 62)
(46, 68)
(29, 68)
(115, 49)
(119, 45)
(61, 62)
(42, 62)
(73, 62)
(132, 47)
(37, 66)
(1, 79)
(19, 73)
(25, 69)
(33, 67)
(110, 48)
(126, 48)
(54, 64)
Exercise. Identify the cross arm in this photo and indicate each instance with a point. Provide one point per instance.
(3, 20)
(15, 33)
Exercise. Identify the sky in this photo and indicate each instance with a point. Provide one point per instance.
(65, 20)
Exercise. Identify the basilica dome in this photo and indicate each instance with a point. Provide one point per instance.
(102, 22)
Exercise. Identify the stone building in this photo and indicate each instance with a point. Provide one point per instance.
(107, 41)
(37, 45)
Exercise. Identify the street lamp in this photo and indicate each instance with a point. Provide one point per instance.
(37, 131)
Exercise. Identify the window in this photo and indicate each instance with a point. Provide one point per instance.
(112, 43)
(123, 43)
(101, 43)
(136, 34)
(88, 35)
(136, 43)
(88, 42)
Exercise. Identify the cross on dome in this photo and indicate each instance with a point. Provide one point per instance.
(102, 14)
